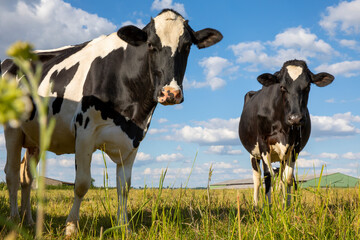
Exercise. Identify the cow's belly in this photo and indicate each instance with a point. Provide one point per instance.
(115, 142)
(63, 139)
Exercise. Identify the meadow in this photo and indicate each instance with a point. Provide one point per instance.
(196, 214)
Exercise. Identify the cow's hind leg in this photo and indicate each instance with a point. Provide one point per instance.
(26, 180)
(83, 153)
(14, 139)
(268, 174)
(256, 177)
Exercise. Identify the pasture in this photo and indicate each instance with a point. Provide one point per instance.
(197, 214)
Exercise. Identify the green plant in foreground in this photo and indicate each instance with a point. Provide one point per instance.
(24, 57)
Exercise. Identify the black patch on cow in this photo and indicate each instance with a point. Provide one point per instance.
(79, 119)
(60, 80)
(59, 56)
(107, 111)
(267, 180)
(75, 130)
(255, 164)
(86, 122)
(33, 111)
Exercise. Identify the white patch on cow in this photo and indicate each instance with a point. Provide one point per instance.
(169, 27)
(267, 159)
(99, 47)
(256, 151)
(280, 149)
(53, 50)
(294, 71)
(173, 84)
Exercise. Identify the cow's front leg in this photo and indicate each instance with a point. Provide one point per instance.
(288, 178)
(256, 178)
(14, 139)
(26, 179)
(123, 183)
(83, 152)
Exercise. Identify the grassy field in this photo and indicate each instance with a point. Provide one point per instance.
(199, 214)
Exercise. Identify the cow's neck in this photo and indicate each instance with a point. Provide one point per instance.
(125, 85)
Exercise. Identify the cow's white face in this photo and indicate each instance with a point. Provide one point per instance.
(167, 40)
(169, 27)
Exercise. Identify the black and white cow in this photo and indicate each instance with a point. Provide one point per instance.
(275, 122)
(103, 94)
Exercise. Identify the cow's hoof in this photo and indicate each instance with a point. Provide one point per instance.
(71, 229)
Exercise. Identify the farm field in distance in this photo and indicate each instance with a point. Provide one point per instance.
(198, 214)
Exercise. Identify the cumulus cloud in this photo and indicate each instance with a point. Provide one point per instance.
(213, 132)
(297, 42)
(338, 125)
(346, 68)
(329, 155)
(214, 69)
(351, 156)
(48, 24)
(352, 44)
(309, 163)
(161, 4)
(138, 23)
(222, 150)
(174, 157)
(153, 131)
(162, 120)
(140, 156)
(344, 17)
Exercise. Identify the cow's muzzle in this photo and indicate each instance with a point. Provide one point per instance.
(170, 96)
(295, 120)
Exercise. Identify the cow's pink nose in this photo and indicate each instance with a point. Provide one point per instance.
(170, 96)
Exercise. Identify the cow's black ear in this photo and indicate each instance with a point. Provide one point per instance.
(322, 79)
(267, 79)
(207, 37)
(132, 35)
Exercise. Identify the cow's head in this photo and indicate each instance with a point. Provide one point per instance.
(294, 80)
(168, 39)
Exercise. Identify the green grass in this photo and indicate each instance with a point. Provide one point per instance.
(187, 214)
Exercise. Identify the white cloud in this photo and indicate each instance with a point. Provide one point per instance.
(329, 155)
(223, 150)
(138, 23)
(153, 131)
(48, 24)
(302, 39)
(346, 68)
(161, 4)
(309, 163)
(213, 132)
(344, 17)
(140, 156)
(162, 120)
(352, 44)
(170, 157)
(338, 125)
(351, 156)
(67, 162)
(214, 69)
(293, 43)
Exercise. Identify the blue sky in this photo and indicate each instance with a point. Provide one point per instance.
(258, 37)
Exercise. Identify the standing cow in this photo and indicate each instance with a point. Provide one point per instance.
(275, 122)
(103, 94)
